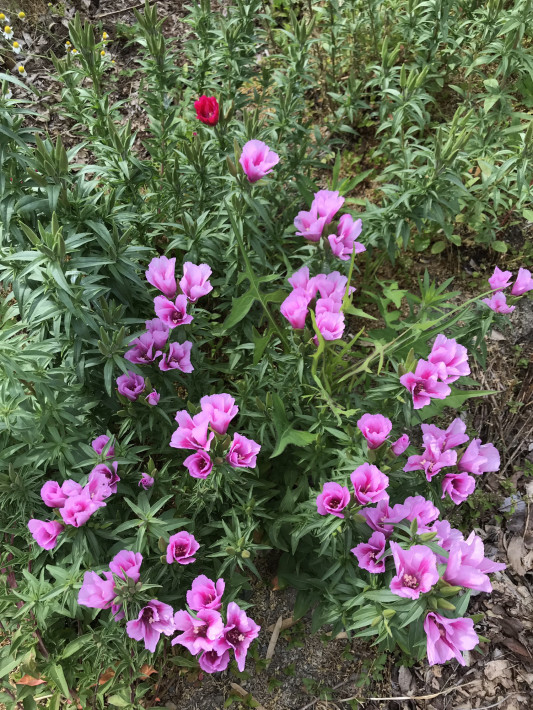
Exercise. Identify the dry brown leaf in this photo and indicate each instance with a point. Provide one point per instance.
(285, 624)
(496, 670)
(274, 639)
(517, 647)
(29, 680)
(106, 675)
(244, 694)
(147, 671)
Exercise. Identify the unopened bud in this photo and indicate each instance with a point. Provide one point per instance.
(245, 554)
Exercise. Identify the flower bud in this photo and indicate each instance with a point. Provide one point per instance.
(245, 554)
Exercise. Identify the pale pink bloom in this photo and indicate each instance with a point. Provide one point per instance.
(523, 283)
(378, 518)
(192, 432)
(480, 458)
(424, 384)
(221, 409)
(327, 203)
(458, 486)
(370, 484)
(498, 303)
(177, 358)
(330, 325)
(332, 285)
(432, 460)
(195, 282)
(446, 638)
(111, 475)
(375, 428)
(78, 509)
(453, 436)
(160, 274)
(127, 564)
(203, 633)
(344, 242)
(416, 570)
(400, 445)
(199, 464)
(257, 160)
(130, 385)
(243, 452)
(181, 548)
(99, 445)
(71, 488)
(158, 330)
(446, 536)
(450, 358)
(153, 398)
(500, 279)
(98, 487)
(154, 619)
(467, 565)
(172, 314)
(415, 507)
(45, 533)
(205, 594)
(309, 225)
(333, 499)
(213, 661)
(52, 494)
(300, 279)
(95, 592)
(146, 481)
(239, 633)
(327, 305)
(295, 308)
(367, 553)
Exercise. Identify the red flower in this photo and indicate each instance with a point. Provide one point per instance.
(207, 110)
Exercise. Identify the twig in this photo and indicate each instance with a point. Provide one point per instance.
(117, 12)
(244, 694)
(412, 697)
(274, 639)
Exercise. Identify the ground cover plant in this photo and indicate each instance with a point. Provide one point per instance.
(199, 361)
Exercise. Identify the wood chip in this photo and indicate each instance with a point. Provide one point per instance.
(274, 639)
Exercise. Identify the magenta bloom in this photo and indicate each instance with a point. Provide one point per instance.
(415, 507)
(523, 283)
(71, 488)
(153, 398)
(327, 203)
(498, 303)
(158, 330)
(195, 282)
(160, 274)
(52, 494)
(213, 662)
(172, 314)
(450, 358)
(432, 460)
(205, 594)
(500, 279)
(295, 308)
(192, 431)
(178, 357)
(127, 564)
(221, 409)
(130, 385)
(181, 548)
(480, 459)
(458, 486)
(367, 553)
(330, 325)
(154, 619)
(203, 633)
(111, 475)
(95, 592)
(467, 565)
(45, 533)
(309, 224)
(257, 160)
(243, 452)
(446, 638)
(300, 280)
(446, 535)
(239, 633)
(375, 428)
(369, 483)
(99, 445)
(98, 487)
(146, 481)
(333, 499)
(400, 445)
(378, 518)
(416, 570)
(344, 242)
(144, 349)
(199, 464)
(78, 509)
(423, 384)
(449, 439)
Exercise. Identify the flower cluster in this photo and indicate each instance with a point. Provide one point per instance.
(205, 433)
(16, 45)
(501, 280)
(76, 503)
(446, 362)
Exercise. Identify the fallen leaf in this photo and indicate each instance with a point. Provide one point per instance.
(516, 647)
(274, 639)
(496, 669)
(29, 680)
(405, 680)
(147, 671)
(106, 675)
(285, 624)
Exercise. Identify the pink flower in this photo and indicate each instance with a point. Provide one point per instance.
(458, 486)
(378, 518)
(203, 633)
(178, 357)
(480, 459)
(295, 308)
(446, 638)
(330, 325)
(95, 592)
(207, 110)
(221, 409)
(71, 488)
(243, 452)
(450, 358)
(375, 428)
(416, 570)
(213, 661)
(367, 553)
(300, 280)
(327, 203)
(130, 385)
(415, 507)
(172, 314)
(446, 535)
(369, 483)
(45, 533)
(328, 305)
(449, 439)
(523, 283)
(500, 279)
(160, 274)
(195, 282)
(153, 398)
(424, 385)
(333, 499)
(78, 509)
(498, 303)
(199, 464)
(144, 350)
(127, 564)
(400, 445)
(309, 225)
(257, 160)
(192, 431)
(111, 475)
(239, 633)
(181, 548)
(146, 481)
(52, 494)
(205, 594)
(468, 567)
(158, 330)
(344, 242)
(432, 460)
(98, 487)
(99, 445)
(154, 619)
(332, 285)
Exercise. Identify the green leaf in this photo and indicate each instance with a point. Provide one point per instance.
(239, 309)
(7, 666)
(499, 246)
(260, 343)
(118, 701)
(76, 645)
(56, 674)
(438, 247)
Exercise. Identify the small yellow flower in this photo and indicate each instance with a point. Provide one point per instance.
(22, 15)
(74, 50)
(21, 70)
(103, 53)
(16, 47)
(8, 32)
(105, 36)
(2, 17)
